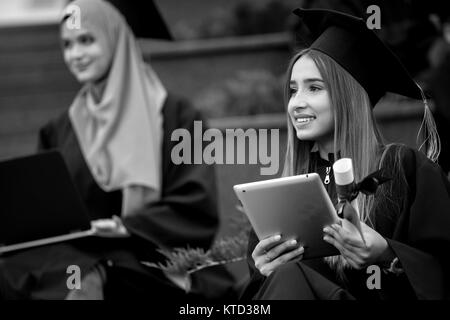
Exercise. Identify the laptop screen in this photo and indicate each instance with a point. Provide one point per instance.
(38, 199)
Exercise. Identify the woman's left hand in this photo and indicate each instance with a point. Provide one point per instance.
(346, 238)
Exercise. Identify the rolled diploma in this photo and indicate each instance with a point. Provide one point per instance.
(343, 175)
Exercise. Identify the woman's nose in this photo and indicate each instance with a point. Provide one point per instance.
(75, 52)
(298, 107)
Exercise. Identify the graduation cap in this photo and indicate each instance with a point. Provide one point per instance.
(348, 41)
(144, 18)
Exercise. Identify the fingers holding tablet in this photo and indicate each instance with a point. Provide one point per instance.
(263, 246)
(272, 252)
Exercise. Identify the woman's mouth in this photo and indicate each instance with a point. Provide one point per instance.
(81, 67)
(304, 119)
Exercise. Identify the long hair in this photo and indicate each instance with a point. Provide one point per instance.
(356, 134)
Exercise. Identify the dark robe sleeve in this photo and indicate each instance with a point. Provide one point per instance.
(46, 138)
(421, 239)
(256, 279)
(252, 242)
(186, 214)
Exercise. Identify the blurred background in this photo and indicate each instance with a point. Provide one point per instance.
(228, 58)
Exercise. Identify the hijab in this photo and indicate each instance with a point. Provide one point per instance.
(120, 134)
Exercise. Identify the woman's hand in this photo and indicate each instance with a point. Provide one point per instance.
(113, 228)
(346, 238)
(267, 260)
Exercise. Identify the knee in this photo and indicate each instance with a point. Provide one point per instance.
(286, 283)
(286, 272)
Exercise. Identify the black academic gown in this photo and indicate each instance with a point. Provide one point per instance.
(438, 80)
(418, 233)
(186, 215)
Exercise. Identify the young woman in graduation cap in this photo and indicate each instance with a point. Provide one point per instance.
(115, 139)
(332, 88)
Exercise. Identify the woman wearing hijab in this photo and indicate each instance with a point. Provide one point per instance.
(116, 141)
(331, 89)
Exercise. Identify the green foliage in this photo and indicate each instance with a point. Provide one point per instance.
(246, 18)
(183, 261)
(263, 16)
(229, 249)
(250, 92)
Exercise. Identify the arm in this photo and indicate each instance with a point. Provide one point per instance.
(420, 238)
(186, 214)
(422, 243)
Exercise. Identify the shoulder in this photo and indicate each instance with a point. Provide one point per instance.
(414, 164)
(58, 126)
(181, 105)
(179, 112)
(413, 159)
(410, 158)
(60, 120)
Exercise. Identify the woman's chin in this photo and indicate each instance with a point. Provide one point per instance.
(84, 78)
(304, 136)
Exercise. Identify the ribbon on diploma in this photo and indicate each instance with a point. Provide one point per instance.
(347, 193)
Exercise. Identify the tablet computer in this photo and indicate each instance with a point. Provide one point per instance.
(297, 207)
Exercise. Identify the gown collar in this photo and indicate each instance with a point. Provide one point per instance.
(316, 153)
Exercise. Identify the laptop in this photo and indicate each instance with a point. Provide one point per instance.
(39, 203)
(296, 207)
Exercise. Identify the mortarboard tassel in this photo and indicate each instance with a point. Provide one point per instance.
(430, 137)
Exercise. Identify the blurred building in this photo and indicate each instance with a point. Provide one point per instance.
(231, 62)
(29, 12)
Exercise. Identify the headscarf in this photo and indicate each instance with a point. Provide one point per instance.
(120, 135)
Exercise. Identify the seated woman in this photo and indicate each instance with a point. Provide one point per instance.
(331, 89)
(116, 141)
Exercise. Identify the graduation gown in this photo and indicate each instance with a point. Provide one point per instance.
(185, 215)
(437, 81)
(417, 232)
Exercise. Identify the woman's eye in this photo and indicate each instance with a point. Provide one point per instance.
(65, 44)
(315, 88)
(292, 91)
(86, 40)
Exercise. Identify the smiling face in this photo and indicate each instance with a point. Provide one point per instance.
(85, 54)
(309, 104)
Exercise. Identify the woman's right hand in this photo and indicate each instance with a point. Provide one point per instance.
(267, 260)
